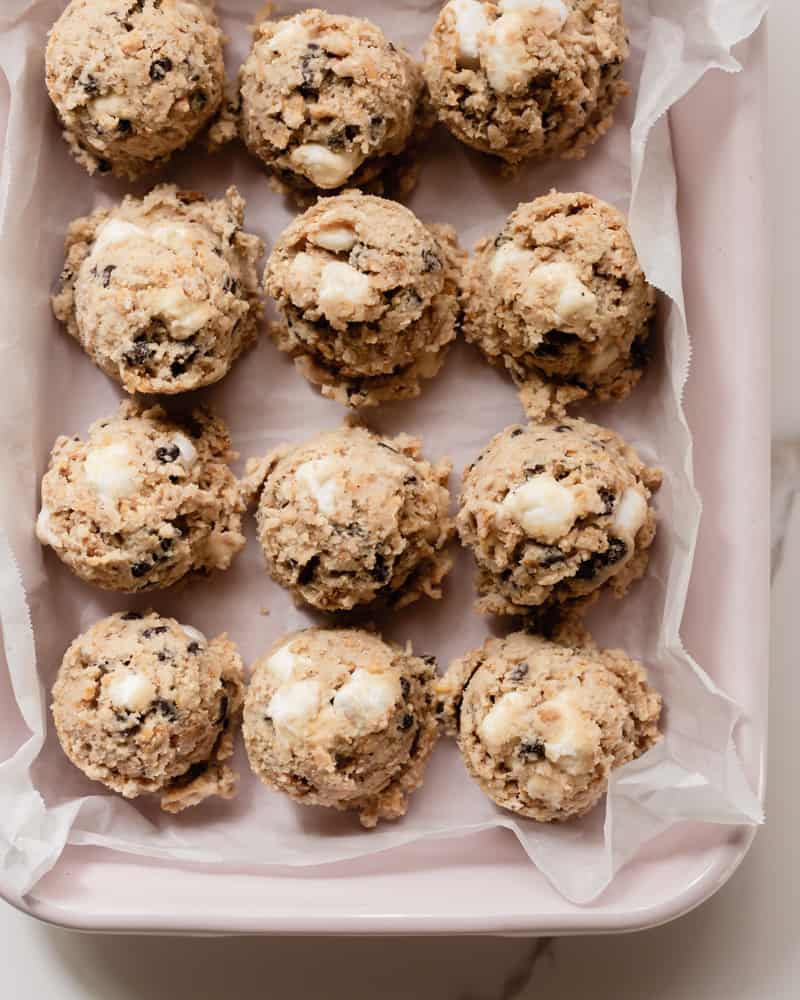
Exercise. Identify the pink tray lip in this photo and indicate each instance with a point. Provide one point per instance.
(697, 126)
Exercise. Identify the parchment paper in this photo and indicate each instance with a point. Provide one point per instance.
(49, 387)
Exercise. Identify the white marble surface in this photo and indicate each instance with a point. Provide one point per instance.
(739, 946)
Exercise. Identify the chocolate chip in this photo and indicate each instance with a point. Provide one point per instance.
(430, 261)
(342, 761)
(168, 709)
(179, 365)
(609, 499)
(311, 72)
(617, 549)
(409, 480)
(131, 616)
(429, 658)
(135, 8)
(380, 571)
(198, 100)
(553, 343)
(147, 633)
(103, 166)
(375, 127)
(174, 480)
(519, 671)
(140, 568)
(550, 558)
(501, 238)
(531, 748)
(307, 572)
(168, 454)
(562, 427)
(405, 686)
(406, 722)
(138, 354)
(107, 272)
(160, 67)
(516, 432)
(193, 647)
(124, 126)
(351, 131)
(90, 85)
(166, 544)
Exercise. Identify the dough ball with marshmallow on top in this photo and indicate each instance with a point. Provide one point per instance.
(144, 501)
(560, 299)
(553, 513)
(338, 717)
(523, 79)
(541, 724)
(329, 103)
(368, 295)
(146, 705)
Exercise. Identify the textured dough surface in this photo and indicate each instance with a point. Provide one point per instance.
(369, 297)
(144, 501)
(327, 102)
(558, 296)
(146, 705)
(555, 512)
(541, 725)
(162, 291)
(338, 717)
(134, 80)
(527, 79)
(349, 518)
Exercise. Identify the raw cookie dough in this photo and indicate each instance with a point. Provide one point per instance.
(144, 501)
(338, 717)
(349, 517)
(134, 80)
(369, 297)
(559, 296)
(146, 705)
(527, 78)
(328, 103)
(541, 725)
(162, 291)
(554, 512)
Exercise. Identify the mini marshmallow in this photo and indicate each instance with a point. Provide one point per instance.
(342, 289)
(294, 706)
(111, 472)
(366, 698)
(470, 21)
(321, 477)
(542, 507)
(631, 513)
(323, 167)
(131, 692)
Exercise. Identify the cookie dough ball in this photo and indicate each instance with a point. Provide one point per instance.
(553, 513)
(327, 102)
(134, 80)
(527, 79)
(144, 501)
(338, 717)
(146, 705)
(162, 291)
(349, 518)
(369, 297)
(541, 725)
(559, 296)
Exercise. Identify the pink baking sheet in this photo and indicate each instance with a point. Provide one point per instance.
(431, 886)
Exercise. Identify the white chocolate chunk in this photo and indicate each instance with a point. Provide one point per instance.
(303, 278)
(116, 231)
(111, 471)
(572, 737)
(542, 507)
(184, 315)
(44, 531)
(512, 257)
(322, 166)
(287, 34)
(366, 698)
(470, 21)
(343, 290)
(559, 285)
(194, 634)
(631, 513)
(322, 478)
(337, 238)
(282, 663)
(504, 53)
(131, 692)
(547, 15)
(188, 452)
(173, 235)
(294, 707)
(505, 721)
